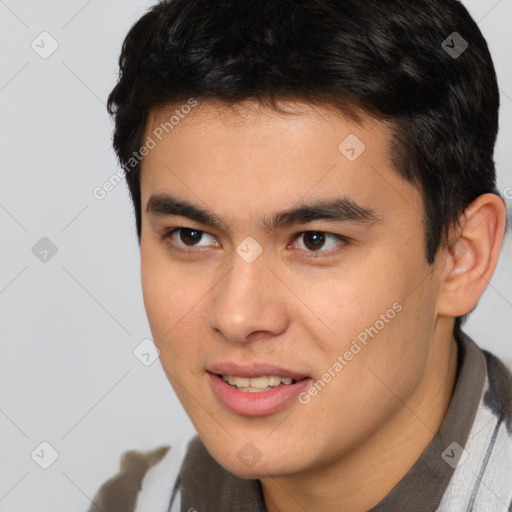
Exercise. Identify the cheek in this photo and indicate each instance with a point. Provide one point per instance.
(344, 304)
(174, 303)
(159, 292)
(379, 311)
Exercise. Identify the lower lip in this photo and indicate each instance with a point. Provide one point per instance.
(259, 403)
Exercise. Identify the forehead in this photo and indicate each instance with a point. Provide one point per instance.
(252, 157)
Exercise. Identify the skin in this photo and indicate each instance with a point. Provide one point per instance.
(300, 308)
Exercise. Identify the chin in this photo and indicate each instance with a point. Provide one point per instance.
(258, 471)
(247, 462)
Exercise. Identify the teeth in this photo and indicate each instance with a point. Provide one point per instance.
(241, 382)
(256, 384)
(274, 381)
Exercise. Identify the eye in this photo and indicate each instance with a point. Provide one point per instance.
(186, 237)
(319, 241)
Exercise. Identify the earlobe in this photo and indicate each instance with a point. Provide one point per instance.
(472, 255)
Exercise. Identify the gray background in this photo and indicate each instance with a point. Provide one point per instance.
(69, 325)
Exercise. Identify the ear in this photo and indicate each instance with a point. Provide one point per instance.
(471, 255)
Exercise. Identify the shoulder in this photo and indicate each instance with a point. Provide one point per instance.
(144, 482)
(482, 479)
(160, 481)
(498, 397)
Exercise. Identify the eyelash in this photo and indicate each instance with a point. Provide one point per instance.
(310, 254)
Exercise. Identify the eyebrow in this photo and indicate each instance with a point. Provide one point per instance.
(341, 209)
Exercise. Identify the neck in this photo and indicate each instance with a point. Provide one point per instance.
(370, 471)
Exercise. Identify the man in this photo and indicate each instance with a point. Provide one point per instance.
(315, 198)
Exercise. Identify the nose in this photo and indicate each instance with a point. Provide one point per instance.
(248, 303)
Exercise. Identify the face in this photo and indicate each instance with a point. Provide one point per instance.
(274, 246)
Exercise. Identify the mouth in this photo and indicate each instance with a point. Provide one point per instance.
(257, 384)
(255, 390)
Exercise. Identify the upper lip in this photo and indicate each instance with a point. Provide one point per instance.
(254, 370)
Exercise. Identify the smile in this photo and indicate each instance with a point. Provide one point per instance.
(257, 384)
(256, 396)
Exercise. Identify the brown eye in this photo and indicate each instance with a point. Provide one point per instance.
(320, 242)
(190, 236)
(182, 238)
(314, 240)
